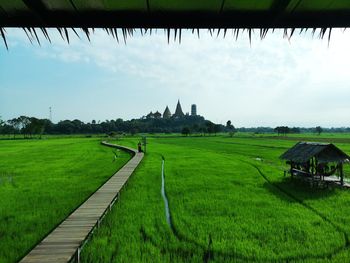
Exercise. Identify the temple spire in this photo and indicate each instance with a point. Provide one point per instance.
(178, 112)
(167, 113)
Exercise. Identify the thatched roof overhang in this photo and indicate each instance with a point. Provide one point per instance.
(323, 152)
(174, 19)
(173, 14)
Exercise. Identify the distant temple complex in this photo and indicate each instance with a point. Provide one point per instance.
(167, 114)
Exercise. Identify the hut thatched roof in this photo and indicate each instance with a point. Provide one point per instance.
(324, 152)
(173, 14)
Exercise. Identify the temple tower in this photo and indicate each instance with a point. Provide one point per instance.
(167, 113)
(193, 110)
(178, 112)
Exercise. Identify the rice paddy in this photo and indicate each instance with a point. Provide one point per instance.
(228, 201)
(42, 182)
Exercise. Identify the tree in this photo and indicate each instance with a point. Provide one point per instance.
(15, 124)
(202, 129)
(231, 129)
(278, 130)
(185, 131)
(133, 131)
(2, 124)
(295, 130)
(195, 128)
(282, 130)
(318, 130)
(37, 126)
(232, 132)
(217, 128)
(112, 134)
(7, 129)
(24, 124)
(210, 127)
(65, 127)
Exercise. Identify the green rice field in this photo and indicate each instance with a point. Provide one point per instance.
(229, 200)
(42, 182)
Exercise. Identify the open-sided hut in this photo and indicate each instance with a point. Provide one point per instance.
(315, 160)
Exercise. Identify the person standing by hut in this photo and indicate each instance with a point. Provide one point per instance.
(139, 147)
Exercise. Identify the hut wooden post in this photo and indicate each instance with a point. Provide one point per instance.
(341, 173)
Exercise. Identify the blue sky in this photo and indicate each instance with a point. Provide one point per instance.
(301, 82)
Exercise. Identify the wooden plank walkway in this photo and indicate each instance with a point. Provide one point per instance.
(63, 242)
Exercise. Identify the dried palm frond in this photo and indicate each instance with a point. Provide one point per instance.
(64, 32)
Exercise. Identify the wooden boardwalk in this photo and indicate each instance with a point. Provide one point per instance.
(64, 242)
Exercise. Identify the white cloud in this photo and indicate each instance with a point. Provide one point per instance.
(301, 82)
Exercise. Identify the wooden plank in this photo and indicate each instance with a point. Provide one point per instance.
(62, 243)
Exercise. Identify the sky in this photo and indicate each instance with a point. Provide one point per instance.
(303, 81)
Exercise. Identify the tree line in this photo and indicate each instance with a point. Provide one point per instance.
(28, 127)
(32, 126)
(284, 130)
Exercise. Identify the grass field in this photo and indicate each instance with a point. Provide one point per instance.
(225, 205)
(42, 182)
(228, 200)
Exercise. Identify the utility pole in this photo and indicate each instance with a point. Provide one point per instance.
(50, 114)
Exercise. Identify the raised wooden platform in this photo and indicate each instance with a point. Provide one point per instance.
(320, 181)
(65, 241)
